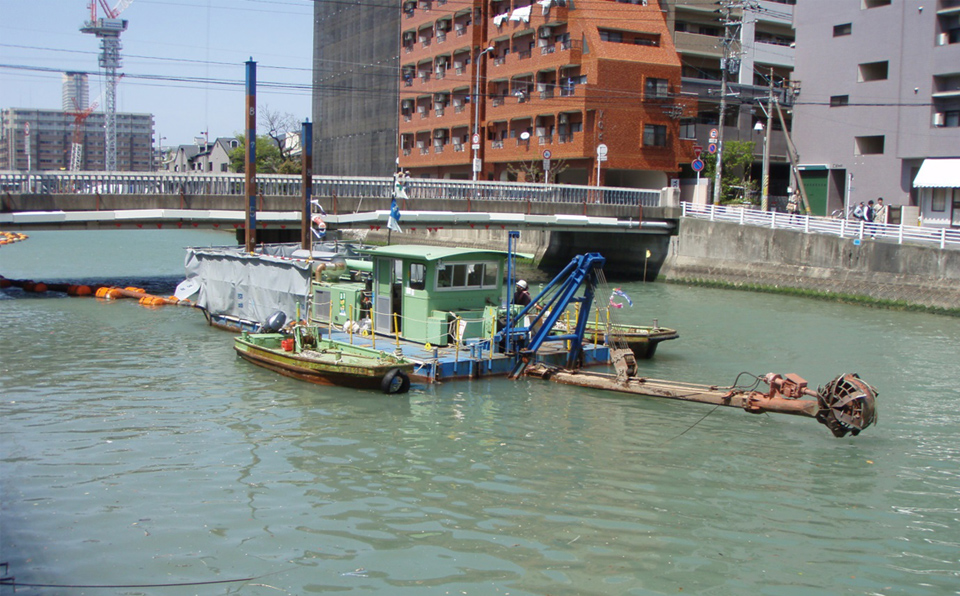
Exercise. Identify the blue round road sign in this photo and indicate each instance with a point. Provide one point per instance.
(712, 148)
(697, 165)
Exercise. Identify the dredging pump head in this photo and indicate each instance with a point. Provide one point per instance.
(847, 405)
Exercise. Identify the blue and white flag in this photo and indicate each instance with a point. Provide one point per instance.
(394, 222)
(622, 294)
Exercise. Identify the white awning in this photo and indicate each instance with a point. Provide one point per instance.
(938, 173)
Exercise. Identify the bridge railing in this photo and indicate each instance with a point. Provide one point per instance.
(112, 183)
(811, 224)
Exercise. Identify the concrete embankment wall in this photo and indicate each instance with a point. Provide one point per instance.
(740, 255)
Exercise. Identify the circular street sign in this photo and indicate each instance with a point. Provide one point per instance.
(546, 154)
(697, 165)
(476, 139)
(712, 148)
(601, 150)
(714, 133)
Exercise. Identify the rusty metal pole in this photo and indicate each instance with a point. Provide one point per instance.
(250, 168)
(306, 154)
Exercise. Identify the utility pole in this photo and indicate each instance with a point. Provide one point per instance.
(727, 64)
(765, 180)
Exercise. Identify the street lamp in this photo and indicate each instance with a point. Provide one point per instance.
(476, 114)
(765, 176)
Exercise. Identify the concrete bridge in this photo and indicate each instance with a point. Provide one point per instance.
(104, 199)
(626, 222)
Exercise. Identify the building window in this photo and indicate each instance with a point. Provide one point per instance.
(841, 30)
(656, 88)
(839, 100)
(654, 135)
(874, 3)
(688, 128)
(872, 71)
(939, 200)
(872, 145)
(608, 35)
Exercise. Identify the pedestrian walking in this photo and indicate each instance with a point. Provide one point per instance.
(880, 213)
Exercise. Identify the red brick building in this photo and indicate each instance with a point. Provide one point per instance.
(562, 76)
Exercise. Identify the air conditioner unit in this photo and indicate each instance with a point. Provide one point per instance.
(545, 32)
(939, 119)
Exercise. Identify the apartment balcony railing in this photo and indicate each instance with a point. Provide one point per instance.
(499, 60)
(457, 147)
(497, 102)
(424, 114)
(546, 140)
(547, 93)
(461, 70)
(438, 111)
(524, 54)
(565, 138)
(441, 37)
(424, 76)
(424, 150)
(459, 108)
(461, 31)
(407, 151)
(438, 148)
(441, 74)
(548, 49)
(496, 145)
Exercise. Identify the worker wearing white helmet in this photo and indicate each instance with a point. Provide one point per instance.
(521, 296)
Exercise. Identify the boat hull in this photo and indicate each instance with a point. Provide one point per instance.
(330, 363)
(642, 341)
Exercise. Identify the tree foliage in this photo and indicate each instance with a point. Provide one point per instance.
(269, 158)
(736, 186)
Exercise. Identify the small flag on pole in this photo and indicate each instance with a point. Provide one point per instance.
(622, 294)
(394, 222)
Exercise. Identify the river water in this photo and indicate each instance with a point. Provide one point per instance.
(138, 451)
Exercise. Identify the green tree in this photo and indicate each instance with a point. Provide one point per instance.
(269, 159)
(736, 186)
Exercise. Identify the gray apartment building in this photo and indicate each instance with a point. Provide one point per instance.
(51, 134)
(878, 114)
(760, 50)
(356, 88)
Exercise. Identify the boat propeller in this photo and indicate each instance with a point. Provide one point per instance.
(847, 405)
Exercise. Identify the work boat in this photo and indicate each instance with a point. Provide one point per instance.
(444, 309)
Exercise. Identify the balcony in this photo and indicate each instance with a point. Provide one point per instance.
(438, 149)
(496, 145)
(441, 37)
(407, 151)
(549, 91)
(497, 102)
(546, 140)
(499, 60)
(457, 147)
(424, 150)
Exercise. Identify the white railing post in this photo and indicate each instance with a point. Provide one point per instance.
(713, 212)
(943, 238)
(843, 227)
(773, 220)
(861, 231)
(806, 224)
(900, 234)
(742, 216)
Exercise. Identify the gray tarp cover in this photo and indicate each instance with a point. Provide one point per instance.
(254, 286)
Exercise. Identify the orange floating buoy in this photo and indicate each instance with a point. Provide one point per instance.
(40, 287)
(5, 283)
(83, 291)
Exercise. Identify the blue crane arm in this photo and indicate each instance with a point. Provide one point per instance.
(581, 269)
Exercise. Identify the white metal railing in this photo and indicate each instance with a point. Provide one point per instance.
(811, 224)
(230, 184)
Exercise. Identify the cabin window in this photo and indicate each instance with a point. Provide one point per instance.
(455, 276)
(417, 276)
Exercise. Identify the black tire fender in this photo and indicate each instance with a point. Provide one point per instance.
(395, 381)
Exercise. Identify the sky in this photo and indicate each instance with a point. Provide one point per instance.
(196, 47)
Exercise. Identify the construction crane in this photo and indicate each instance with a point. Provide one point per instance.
(108, 29)
(76, 150)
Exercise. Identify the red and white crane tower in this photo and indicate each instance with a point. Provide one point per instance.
(76, 150)
(108, 29)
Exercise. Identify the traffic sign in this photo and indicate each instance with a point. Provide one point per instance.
(697, 165)
(547, 154)
(476, 139)
(697, 151)
(546, 165)
(602, 151)
(477, 165)
(714, 133)
(712, 148)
